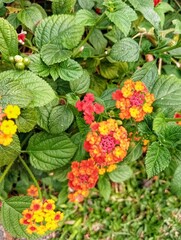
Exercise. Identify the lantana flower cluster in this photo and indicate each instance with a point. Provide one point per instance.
(82, 177)
(7, 126)
(41, 217)
(89, 107)
(107, 143)
(133, 100)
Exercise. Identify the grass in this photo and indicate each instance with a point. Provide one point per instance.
(140, 208)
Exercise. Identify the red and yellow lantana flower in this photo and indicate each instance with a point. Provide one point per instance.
(41, 217)
(107, 143)
(133, 100)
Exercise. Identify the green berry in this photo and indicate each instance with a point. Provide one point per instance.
(26, 61)
(20, 65)
(11, 59)
(18, 58)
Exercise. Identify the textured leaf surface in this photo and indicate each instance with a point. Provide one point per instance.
(61, 117)
(123, 18)
(134, 152)
(70, 70)
(10, 153)
(56, 29)
(30, 17)
(41, 92)
(62, 6)
(87, 4)
(81, 84)
(147, 74)
(12, 92)
(8, 39)
(107, 98)
(147, 9)
(38, 66)
(98, 41)
(125, 50)
(104, 187)
(170, 136)
(43, 114)
(48, 152)
(159, 122)
(157, 159)
(121, 173)
(53, 53)
(85, 18)
(27, 120)
(11, 213)
(167, 92)
(176, 182)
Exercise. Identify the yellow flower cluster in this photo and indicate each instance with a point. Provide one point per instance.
(7, 126)
(41, 217)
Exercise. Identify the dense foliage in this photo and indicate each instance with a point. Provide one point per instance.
(87, 88)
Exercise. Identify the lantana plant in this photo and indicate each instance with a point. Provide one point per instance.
(86, 88)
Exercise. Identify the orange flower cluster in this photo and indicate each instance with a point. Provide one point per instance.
(32, 191)
(41, 217)
(133, 100)
(107, 143)
(83, 176)
(7, 126)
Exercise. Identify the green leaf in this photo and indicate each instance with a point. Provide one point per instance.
(30, 17)
(167, 92)
(122, 173)
(12, 92)
(8, 39)
(147, 74)
(87, 4)
(109, 70)
(125, 50)
(41, 92)
(98, 41)
(98, 84)
(161, 9)
(78, 139)
(62, 6)
(61, 117)
(11, 152)
(134, 152)
(85, 18)
(123, 17)
(38, 66)
(81, 84)
(53, 53)
(107, 98)
(104, 187)
(43, 114)
(176, 182)
(55, 30)
(159, 123)
(157, 159)
(147, 9)
(27, 120)
(11, 213)
(70, 70)
(48, 152)
(170, 136)
(177, 24)
(13, 20)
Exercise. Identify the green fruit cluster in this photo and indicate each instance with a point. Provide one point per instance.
(20, 62)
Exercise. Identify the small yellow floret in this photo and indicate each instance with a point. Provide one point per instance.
(12, 111)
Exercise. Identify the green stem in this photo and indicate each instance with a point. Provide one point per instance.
(77, 50)
(162, 50)
(172, 119)
(6, 171)
(32, 177)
